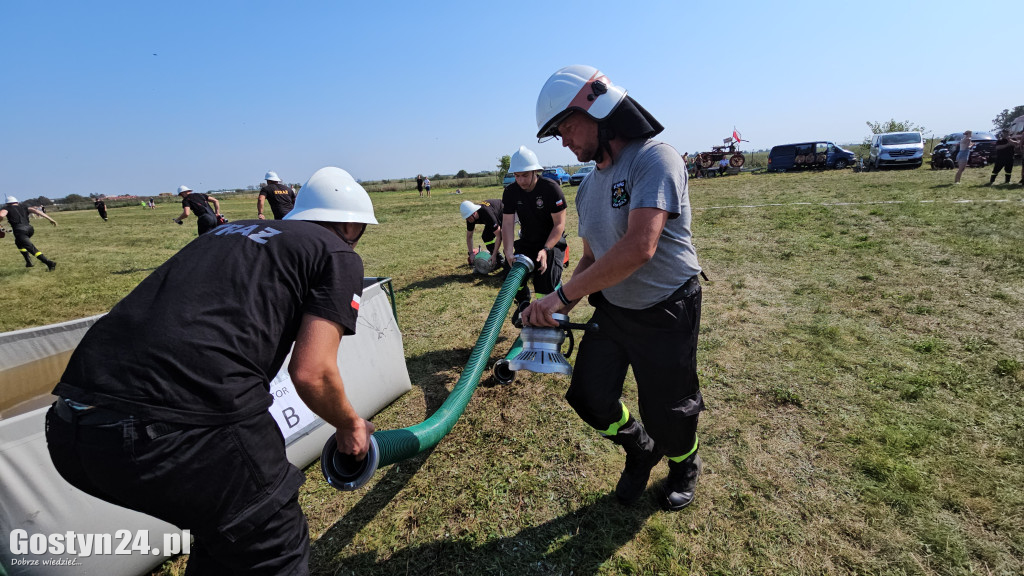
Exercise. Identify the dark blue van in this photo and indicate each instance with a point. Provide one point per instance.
(820, 154)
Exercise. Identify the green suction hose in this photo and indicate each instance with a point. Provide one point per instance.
(344, 472)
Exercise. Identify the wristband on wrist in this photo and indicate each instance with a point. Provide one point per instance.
(562, 297)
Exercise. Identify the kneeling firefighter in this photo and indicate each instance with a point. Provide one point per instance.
(178, 425)
(639, 269)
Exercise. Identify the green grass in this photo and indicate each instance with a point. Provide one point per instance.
(861, 356)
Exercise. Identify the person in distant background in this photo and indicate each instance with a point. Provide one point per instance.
(723, 165)
(200, 205)
(426, 186)
(280, 197)
(963, 155)
(419, 184)
(17, 215)
(1005, 148)
(101, 207)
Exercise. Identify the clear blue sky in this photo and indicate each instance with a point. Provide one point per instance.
(139, 97)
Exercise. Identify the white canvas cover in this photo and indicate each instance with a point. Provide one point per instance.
(33, 496)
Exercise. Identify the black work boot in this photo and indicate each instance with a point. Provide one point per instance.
(1007, 179)
(991, 180)
(679, 487)
(641, 456)
(28, 260)
(50, 264)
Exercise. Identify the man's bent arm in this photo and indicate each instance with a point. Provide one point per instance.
(314, 371)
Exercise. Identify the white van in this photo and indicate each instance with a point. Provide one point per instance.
(896, 149)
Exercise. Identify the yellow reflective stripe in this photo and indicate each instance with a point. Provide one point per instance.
(614, 428)
(488, 243)
(688, 454)
(37, 254)
(22, 250)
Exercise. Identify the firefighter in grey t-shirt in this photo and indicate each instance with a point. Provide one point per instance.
(640, 271)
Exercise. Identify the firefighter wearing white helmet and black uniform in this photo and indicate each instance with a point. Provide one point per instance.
(539, 205)
(198, 204)
(488, 215)
(281, 197)
(640, 269)
(177, 426)
(18, 216)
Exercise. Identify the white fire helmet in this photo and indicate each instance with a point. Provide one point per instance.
(183, 188)
(332, 195)
(12, 200)
(467, 208)
(271, 177)
(524, 160)
(572, 88)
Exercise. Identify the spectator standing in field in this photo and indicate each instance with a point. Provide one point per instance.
(1005, 148)
(101, 207)
(963, 155)
(200, 205)
(489, 215)
(639, 268)
(280, 197)
(18, 216)
(539, 204)
(426, 186)
(182, 431)
(419, 184)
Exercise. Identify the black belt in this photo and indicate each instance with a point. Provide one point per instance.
(89, 417)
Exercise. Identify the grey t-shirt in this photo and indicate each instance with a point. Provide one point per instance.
(647, 174)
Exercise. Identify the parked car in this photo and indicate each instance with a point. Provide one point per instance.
(508, 179)
(558, 174)
(817, 154)
(896, 149)
(577, 177)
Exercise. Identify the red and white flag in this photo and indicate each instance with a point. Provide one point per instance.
(355, 302)
(736, 135)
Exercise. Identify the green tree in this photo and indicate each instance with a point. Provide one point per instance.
(462, 174)
(1003, 120)
(73, 198)
(503, 163)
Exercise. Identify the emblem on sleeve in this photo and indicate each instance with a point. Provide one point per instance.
(620, 196)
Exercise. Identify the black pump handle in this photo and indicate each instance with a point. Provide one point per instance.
(588, 327)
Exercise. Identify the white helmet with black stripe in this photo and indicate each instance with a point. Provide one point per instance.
(573, 88)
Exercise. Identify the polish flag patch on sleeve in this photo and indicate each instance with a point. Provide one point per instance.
(559, 202)
(355, 302)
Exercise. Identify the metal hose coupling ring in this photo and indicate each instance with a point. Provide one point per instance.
(343, 471)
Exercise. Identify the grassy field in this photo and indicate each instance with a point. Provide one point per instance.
(862, 361)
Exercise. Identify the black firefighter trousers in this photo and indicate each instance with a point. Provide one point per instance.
(660, 344)
(231, 486)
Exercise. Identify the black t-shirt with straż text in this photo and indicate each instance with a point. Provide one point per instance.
(200, 339)
(488, 216)
(534, 209)
(198, 203)
(17, 215)
(280, 197)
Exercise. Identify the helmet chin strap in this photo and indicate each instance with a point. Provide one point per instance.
(605, 134)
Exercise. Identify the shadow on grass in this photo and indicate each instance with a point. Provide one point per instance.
(494, 279)
(133, 270)
(580, 542)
